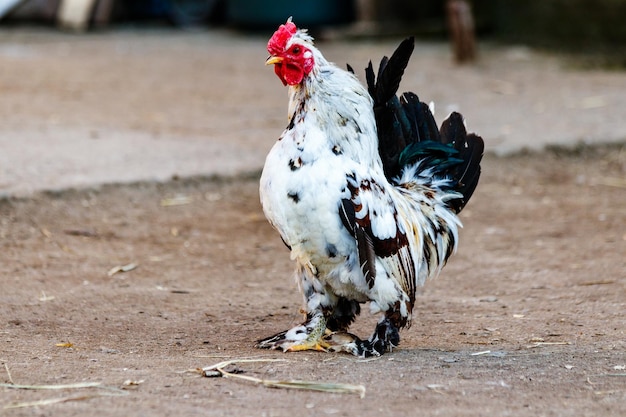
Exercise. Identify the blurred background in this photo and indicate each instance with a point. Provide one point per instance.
(100, 91)
(573, 24)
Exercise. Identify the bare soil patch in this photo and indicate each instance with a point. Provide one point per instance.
(527, 319)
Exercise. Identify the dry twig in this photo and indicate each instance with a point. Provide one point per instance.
(538, 344)
(13, 385)
(218, 370)
(8, 373)
(122, 268)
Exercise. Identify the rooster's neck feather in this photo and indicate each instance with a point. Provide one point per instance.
(335, 101)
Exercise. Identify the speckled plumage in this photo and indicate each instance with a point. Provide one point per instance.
(355, 234)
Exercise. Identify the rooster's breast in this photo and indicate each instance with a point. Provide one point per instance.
(302, 185)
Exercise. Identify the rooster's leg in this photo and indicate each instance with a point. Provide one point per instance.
(385, 337)
(310, 334)
(307, 336)
(343, 313)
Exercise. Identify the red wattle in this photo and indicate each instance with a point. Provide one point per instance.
(289, 74)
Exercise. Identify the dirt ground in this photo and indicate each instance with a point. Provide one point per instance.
(527, 319)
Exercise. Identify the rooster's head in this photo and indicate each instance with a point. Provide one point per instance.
(291, 53)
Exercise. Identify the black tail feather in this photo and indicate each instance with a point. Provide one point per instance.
(407, 131)
(453, 130)
(470, 148)
(381, 70)
(390, 72)
(370, 78)
(469, 172)
(387, 107)
(421, 117)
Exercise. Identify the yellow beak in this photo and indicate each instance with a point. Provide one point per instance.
(274, 60)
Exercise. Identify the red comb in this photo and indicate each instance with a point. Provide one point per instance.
(279, 39)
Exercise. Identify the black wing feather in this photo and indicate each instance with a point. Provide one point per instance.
(364, 241)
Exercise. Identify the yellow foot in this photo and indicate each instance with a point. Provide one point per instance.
(318, 345)
(307, 336)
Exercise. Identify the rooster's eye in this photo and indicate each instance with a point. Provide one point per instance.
(296, 50)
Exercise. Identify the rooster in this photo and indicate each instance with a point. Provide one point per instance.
(364, 190)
